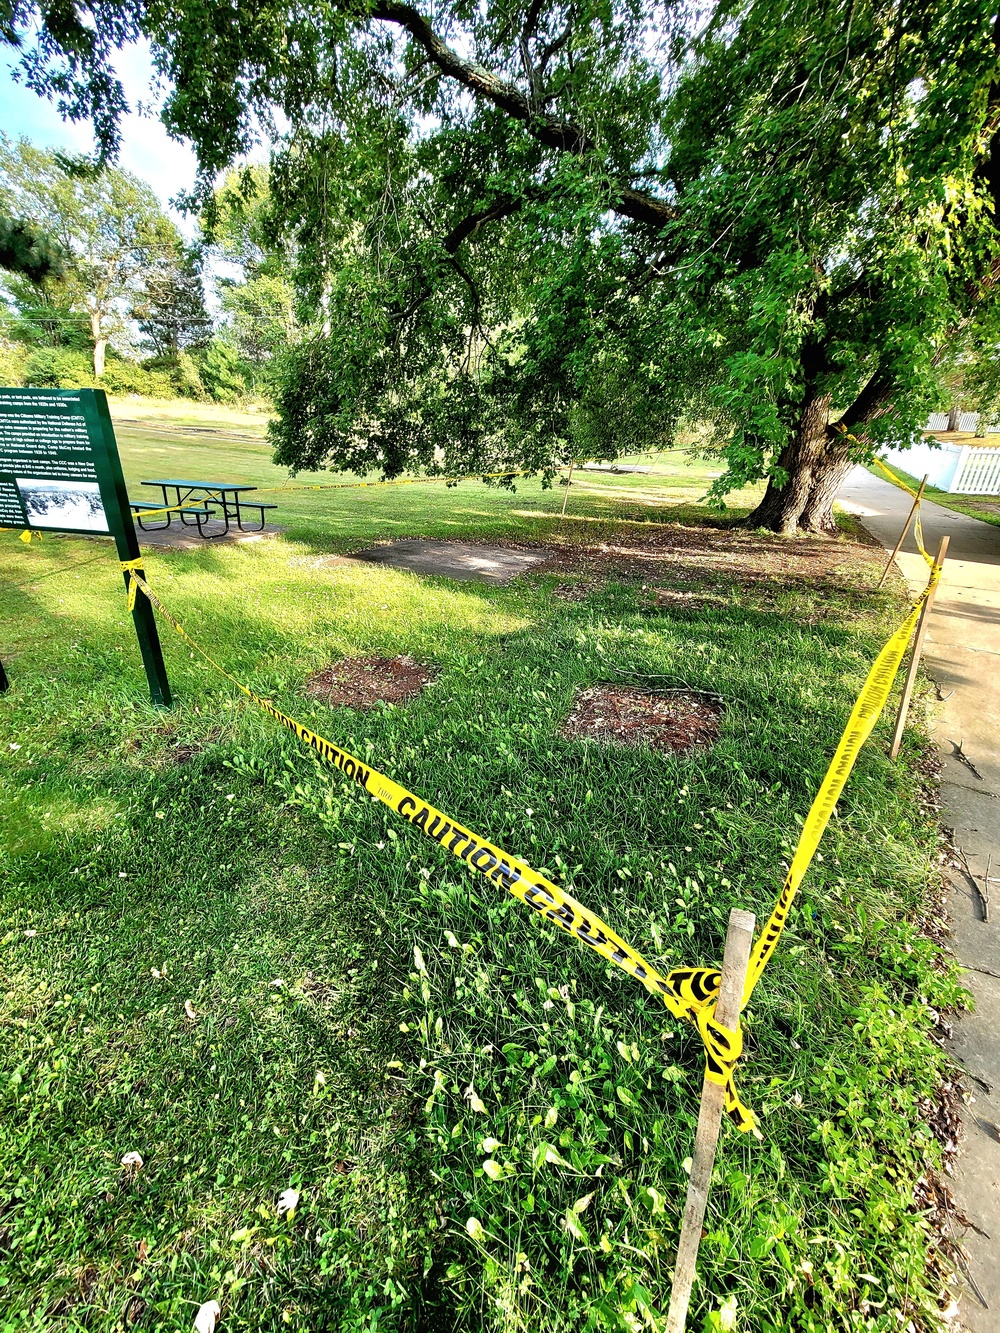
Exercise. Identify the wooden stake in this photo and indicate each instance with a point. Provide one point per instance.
(918, 645)
(739, 939)
(902, 535)
(569, 483)
(984, 892)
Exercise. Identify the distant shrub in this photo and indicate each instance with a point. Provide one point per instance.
(220, 372)
(182, 372)
(12, 363)
(66, 368)
(121, 377)
(58, 368)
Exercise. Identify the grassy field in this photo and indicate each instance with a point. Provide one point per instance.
(221, 444)
(221, 957)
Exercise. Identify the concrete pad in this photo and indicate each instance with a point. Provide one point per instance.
(466, 561)
(962, 654)
(176, 538)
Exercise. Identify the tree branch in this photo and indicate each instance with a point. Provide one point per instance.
(550, 48)
(564, 136)
(502, 208)
(874, 399)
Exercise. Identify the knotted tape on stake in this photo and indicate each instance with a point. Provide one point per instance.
(918, 531)
(130, 566)
(896, 481)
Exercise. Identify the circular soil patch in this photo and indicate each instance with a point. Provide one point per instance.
(627, 715)
(363, 682)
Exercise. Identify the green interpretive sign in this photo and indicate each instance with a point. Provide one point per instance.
(60, 472)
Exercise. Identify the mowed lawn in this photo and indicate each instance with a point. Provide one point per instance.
(221, 956)
(220, 444)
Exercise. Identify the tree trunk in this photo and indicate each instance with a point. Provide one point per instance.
(827, 481)
(100, 344)
(954, 414)
(816, 461)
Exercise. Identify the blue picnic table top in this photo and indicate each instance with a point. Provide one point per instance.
(203, 485)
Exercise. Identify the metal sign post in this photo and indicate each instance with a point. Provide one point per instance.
(60, 472)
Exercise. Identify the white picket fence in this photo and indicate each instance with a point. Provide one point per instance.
(959, 469)
(967, 421)
(978, 473)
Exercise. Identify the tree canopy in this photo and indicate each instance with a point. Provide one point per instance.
(525, 231)
(169, 307)
(243, 228)
(29, 251)
(109, 226)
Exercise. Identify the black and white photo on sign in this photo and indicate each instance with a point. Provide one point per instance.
(63, 504)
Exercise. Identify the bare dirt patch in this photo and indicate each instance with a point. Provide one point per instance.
(363, 682)
(464, 561)
(677, 722)
(686, 565)
(183, 752)
(576, 592)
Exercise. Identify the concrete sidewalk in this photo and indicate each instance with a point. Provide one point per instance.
(962, 654)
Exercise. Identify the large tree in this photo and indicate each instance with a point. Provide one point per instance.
(529, 229)
(170, 306)
(109, 225)
(839, 247)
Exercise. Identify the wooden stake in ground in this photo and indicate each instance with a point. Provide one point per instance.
(739, 939)
(902, 536)
(918, 645)
(569, 483)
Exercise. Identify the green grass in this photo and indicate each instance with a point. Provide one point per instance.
(985, 507)
(340, 519)
(355, 990)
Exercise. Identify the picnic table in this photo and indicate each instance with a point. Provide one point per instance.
(196, 501)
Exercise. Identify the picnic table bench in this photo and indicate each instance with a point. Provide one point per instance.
(199, 500)
(143, 510)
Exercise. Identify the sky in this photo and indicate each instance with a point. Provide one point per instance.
(147, 150)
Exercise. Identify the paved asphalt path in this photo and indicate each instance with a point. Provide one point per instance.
(962, 655)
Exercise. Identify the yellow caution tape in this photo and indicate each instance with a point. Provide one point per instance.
(164, 509)
(864, 715)
(689, 993)
(338, 486)
(130, 566)
(896, 481)
(399, 481)
(918, 531)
